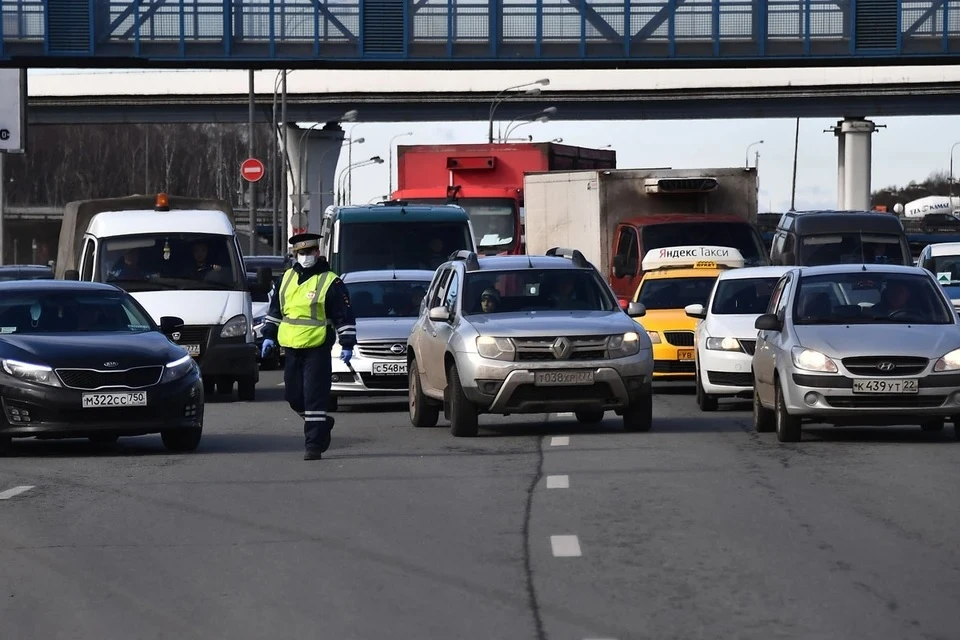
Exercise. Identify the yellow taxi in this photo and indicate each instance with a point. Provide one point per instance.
(674, 277)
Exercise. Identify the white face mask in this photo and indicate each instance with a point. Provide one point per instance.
(307, 261)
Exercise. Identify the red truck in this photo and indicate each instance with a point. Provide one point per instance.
(487, 181)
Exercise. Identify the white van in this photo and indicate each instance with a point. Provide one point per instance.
(180, 259)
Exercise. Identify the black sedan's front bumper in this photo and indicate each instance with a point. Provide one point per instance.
(39, 411)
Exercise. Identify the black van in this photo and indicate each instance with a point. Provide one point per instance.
(810, 238)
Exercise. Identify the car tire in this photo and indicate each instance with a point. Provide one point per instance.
(209, 387)
(225, 386)
(464, 421)
(589, 416)
(423, 414)
(333, 404)
(705, 401)
(788, 426)
(247, 389)
(933, 425)
(103, 438)
(638, 417)
(764, 420)
(182, 440)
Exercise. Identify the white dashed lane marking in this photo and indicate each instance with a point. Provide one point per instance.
(559, 441)
(9, 493)
(565, 546)
(568, 414)
(558, 482)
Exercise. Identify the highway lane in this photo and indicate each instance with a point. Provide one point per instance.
(540, 528)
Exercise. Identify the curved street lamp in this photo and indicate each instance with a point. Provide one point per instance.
(746, 155)
(505, 94)
(539, 116)
(349, 116)
(346, 173)
(390, 160)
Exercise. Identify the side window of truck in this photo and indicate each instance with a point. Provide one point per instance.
(627, 249)
(89, 247)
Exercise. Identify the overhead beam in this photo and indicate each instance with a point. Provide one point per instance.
(334, 20)
(926, 15)
(143, 17)
(657, 20)
(596, 20)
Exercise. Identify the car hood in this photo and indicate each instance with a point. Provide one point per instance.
(91, 350)
(194, 307)
(844, 341)
(552, 323)
(667, 320)
(733, 326)
(376, 329)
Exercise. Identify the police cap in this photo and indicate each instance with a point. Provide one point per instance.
(303, 241)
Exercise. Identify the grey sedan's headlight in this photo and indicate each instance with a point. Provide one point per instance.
(723, 344)
(235, 327)
(27, 372)
(810, 360)
(496, 348)
(622, 346)
(177, 369)
(949, 362)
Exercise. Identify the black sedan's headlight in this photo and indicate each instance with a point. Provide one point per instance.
(36, 373)
(178, 368)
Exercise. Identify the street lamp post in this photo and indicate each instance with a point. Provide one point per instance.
(348, 143)
(955, 145)
(350, 160)
(505, 94)
(530, 118)
(390, 161)
(344, 175)
(746, 156)
(349, 116)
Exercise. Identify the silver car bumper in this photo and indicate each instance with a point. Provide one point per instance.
(510, 387)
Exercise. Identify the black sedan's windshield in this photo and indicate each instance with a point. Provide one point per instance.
(869, 297)
(389, 299)
(70, 312)
(536, 290)
(743, 296)
(674, 293)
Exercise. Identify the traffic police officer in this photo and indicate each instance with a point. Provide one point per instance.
(311, 299)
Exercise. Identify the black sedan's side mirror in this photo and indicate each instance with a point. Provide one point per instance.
(264, 279)
(169, 324)
(768, 322)
(71, 274)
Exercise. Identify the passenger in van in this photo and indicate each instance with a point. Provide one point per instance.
(128, 267)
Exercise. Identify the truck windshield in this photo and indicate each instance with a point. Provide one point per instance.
(852, 248)
(674, 293)
(741, 236)
(494, 221)
(387, 299)
(182, 261)
(399, 245)
(488, 292)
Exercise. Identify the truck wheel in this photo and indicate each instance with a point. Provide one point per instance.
(587, 416)
(463, 415)
(246, 389)
(181, 440)
(422, 412)
(225, 386)
(638, 417)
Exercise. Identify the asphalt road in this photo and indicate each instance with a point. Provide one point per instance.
(539, 528)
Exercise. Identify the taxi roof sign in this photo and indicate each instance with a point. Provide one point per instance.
(692, 257)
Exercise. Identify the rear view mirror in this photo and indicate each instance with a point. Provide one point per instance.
(695, 311)
(636, 310)
(619, 267)
(439, 314)
(71, 274)
(169, 324)
(768, 322)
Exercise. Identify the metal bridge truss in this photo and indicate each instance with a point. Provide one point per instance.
(473, 34)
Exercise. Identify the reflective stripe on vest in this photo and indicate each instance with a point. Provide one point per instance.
(303, 324)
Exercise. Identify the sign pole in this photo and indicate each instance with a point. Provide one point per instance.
(3, 189)
(252, 197)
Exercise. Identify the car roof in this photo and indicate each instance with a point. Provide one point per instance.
(407, 213)
(829, 269)
(25, 267)
(382, 275)
(267, 261)
(819, 222)
(44, 286)
(504, 263)
(754, 272)
(945, 249)
(108, 224)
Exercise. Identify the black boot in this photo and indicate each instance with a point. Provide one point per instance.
(312, 454)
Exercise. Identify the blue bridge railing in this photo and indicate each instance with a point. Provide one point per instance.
(457, 33)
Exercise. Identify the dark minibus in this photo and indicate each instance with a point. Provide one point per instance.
(811, 238)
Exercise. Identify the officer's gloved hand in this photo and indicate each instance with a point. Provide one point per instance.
(345, 355)
(268, 344)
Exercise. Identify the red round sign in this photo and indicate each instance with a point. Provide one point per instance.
(251, 170)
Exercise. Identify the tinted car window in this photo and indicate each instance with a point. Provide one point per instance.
(400, 245)
(900, 299)
(70, 312)
(536, 290)
(171, 261)
(675, 293)
(852, 248)
(744, 296)
(389, 299)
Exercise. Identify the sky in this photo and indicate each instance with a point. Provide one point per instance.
(908, 148)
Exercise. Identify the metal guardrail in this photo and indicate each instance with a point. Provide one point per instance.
(458, 32)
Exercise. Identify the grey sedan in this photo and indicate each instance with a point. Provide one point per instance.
(856, 345)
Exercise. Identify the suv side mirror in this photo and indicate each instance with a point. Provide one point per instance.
(695, 311)
(636, 310)
(619, 266)
(71, 274)
(440, 314)
(768, 322)
(169, 324)
(264, 279)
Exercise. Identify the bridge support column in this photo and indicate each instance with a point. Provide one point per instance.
(854, 163)
(314, 155)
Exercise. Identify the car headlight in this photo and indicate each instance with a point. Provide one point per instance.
(624, 345)
(810, 360)
(235, 327)
(949, 362)
(37, 373)
(654, 337)
(496, 348)
(723, 344)
(177, 369)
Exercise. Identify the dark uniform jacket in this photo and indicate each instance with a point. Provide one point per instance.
(337, 309)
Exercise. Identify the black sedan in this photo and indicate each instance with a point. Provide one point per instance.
(81, 359)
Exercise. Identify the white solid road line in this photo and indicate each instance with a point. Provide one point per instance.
(9, 493)
(559, 441)
(565, 546)
(558, 482)
(568, 414)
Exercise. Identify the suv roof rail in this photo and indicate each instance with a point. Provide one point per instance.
(578, 258)
(469, 257)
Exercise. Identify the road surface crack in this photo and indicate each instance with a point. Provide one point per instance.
(527, 561)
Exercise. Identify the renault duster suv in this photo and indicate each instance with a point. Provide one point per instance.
(526, 334)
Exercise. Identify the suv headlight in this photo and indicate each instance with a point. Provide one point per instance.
(37, 373)
(496, 348)
(949, 362)
(625, 345)
(810, 360)
(235, 327)
(723, 344)
(177, 369)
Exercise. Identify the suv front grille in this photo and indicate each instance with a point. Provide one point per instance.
(679, 338)
(192, 335)
(868, 365)
(563, 348)
(92, 379)
(382, 349)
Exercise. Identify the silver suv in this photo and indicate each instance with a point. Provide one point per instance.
(526, 334)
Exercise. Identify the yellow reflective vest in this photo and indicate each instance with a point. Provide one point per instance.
(304, 316)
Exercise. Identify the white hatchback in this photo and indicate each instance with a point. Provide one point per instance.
(725, 336)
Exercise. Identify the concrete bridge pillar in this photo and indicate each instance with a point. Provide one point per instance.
(854, 162)
(313, 154)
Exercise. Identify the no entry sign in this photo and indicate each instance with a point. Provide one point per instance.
(251, 170)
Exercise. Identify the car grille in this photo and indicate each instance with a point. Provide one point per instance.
(730, 379)
(384, 382)
(885, 402)
(674, 366)
(92, 379)
(382, 349)
(542, 349)
(192, 335)
(748, 346)
(679, 338)
(902, 365)
(527, 395)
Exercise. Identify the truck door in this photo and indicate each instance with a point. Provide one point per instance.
(88, 259)
(625, 273)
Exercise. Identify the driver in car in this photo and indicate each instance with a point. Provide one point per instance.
(895, 298)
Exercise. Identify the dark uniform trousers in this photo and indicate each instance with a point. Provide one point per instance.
(307, 381)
